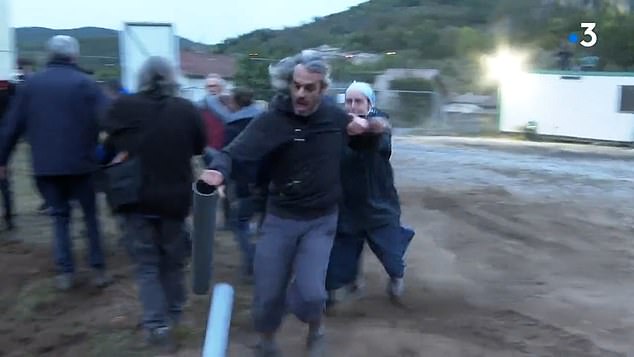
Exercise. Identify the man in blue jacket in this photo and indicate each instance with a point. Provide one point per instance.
(58, 110)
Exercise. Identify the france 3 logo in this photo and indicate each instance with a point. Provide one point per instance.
(589, 38)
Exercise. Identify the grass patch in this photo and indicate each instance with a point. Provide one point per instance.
(6, 302)
(32, 297)
(188, 335)
(119, 343)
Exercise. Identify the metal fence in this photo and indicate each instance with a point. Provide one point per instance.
(407, 109)
(424, 111)
(476, 123)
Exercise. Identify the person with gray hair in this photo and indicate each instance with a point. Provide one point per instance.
(63, 48)
(59, 108)
(161, 132)
(216, 114)
(215, 84)
(303, 138)
(282, 72)
(157, 77)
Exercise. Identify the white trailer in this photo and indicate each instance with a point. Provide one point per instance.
(7, 50)
(138, 41)
(578, 105)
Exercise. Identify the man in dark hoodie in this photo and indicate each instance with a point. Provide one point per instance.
(305, 138)
(58, 109)
(164, 132)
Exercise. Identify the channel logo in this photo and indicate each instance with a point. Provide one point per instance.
(589, 38)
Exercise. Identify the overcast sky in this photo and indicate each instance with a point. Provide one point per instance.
(207, 21)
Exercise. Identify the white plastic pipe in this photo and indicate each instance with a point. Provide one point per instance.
(219, 321)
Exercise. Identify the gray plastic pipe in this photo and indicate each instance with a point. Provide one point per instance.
(204, 230)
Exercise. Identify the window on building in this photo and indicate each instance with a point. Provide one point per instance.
(626, 102)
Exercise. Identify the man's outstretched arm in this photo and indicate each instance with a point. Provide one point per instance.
(258, 139)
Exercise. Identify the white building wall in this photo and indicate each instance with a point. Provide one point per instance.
(587, 107)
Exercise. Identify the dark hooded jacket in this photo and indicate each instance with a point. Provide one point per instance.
(304, 156)
(370, 199)
(164, 133)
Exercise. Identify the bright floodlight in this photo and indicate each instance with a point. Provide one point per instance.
(504, 65)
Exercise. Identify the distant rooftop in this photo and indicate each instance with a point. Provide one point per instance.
(199, 65)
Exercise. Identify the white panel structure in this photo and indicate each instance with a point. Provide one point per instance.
(7, 50)
(584, 105)
(138, 42)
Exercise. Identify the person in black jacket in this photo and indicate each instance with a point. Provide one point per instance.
(163, 132)
(304, 138)
(370, 210)
(58, 110)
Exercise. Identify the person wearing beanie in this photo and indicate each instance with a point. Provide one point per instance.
(370, 210)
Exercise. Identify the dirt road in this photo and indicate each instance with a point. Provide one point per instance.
(534, 244)
(521, 250)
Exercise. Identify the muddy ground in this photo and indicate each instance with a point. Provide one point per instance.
(521, 250)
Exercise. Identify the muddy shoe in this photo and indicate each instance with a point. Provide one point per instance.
(359, 286)
(356, 291)
(101, 279)
(64, 281)
(395, 288)
(332, 303)
(332, 297)
(161, 339)
(316, 344)
(267, 349)
(44, 209)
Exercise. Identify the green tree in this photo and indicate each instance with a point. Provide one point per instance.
(253, 73)
(470, 40)
(615, 42)
(107, 73)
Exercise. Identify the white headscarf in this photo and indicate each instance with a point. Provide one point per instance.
(364, 88)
